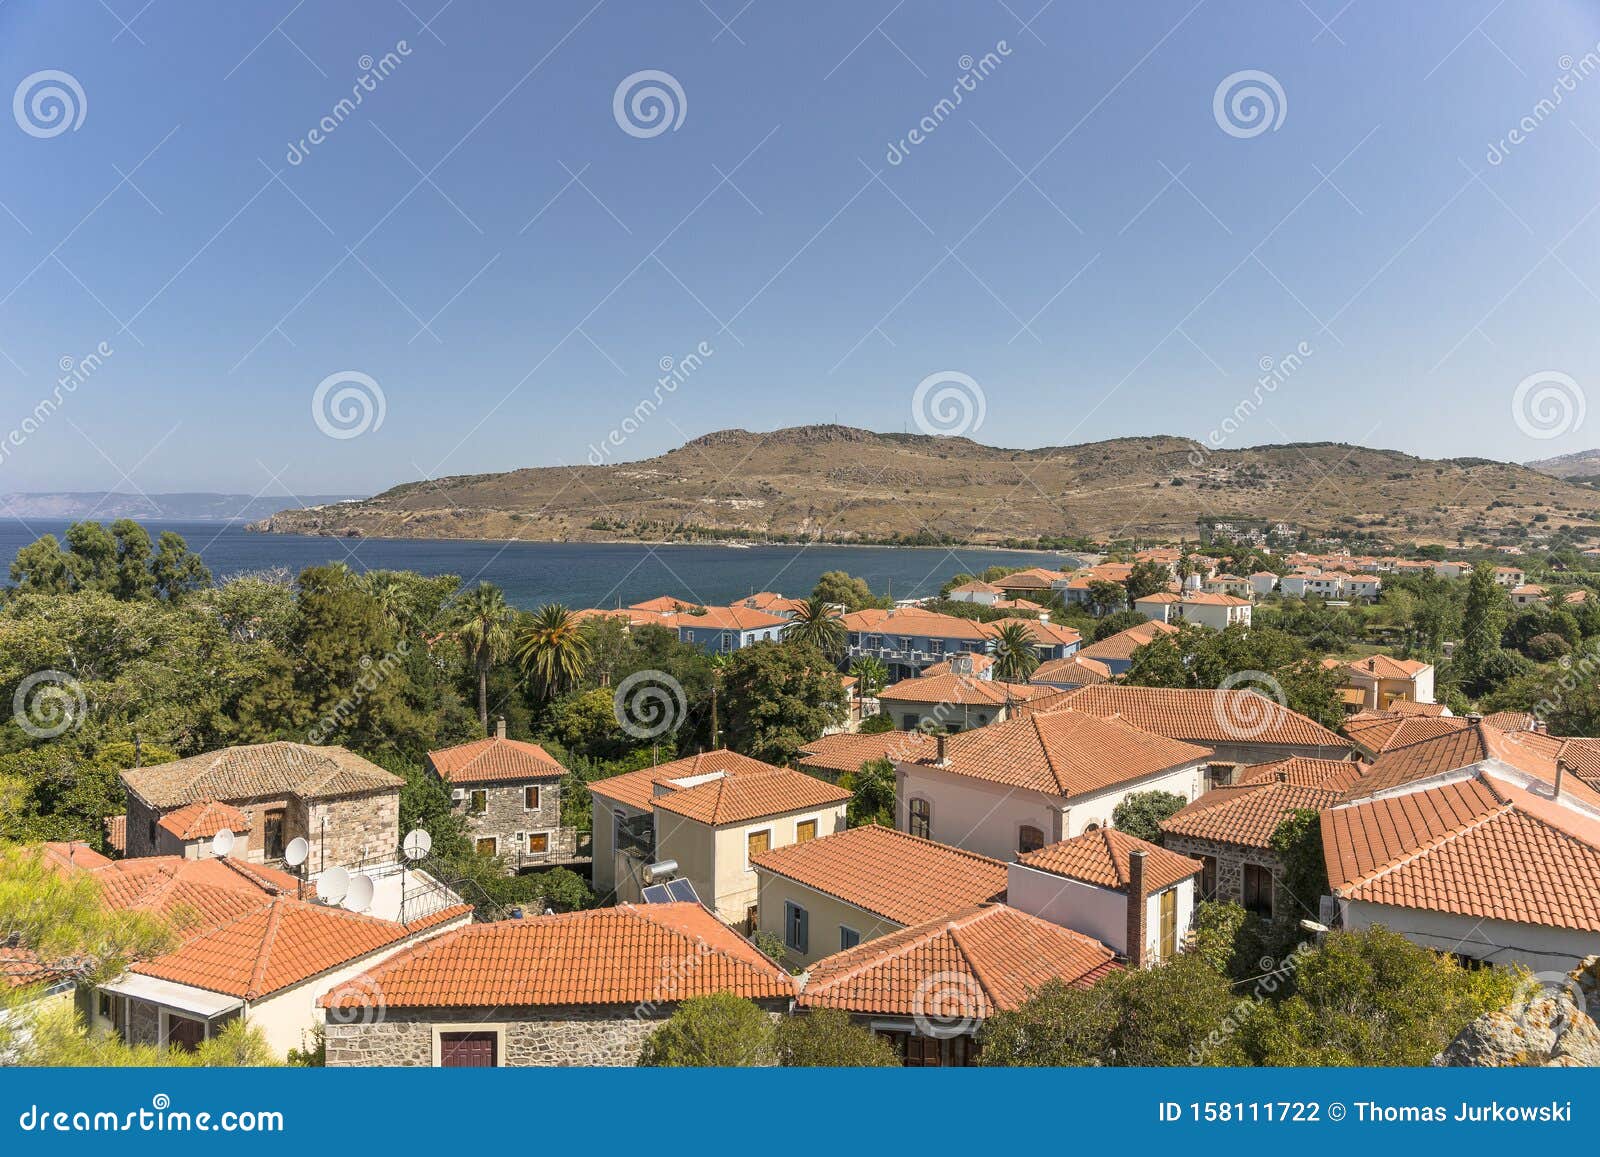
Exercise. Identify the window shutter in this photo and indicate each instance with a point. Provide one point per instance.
(803, 932)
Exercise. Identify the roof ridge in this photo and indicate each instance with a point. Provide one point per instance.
(967, 956)
(865, 948)
(1503, 808)
(269, 936)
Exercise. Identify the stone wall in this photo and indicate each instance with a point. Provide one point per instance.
(590, 1035)
(504, 814)
(359, 827)
(140, 817)
(1231, 859)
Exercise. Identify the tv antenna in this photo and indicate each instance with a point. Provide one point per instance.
(222, 843)
(333, 884)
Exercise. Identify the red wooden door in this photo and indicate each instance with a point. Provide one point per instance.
(467, 1050)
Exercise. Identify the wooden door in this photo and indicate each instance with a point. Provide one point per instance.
(468, 1050)
(185, 1034)
(1169, 924)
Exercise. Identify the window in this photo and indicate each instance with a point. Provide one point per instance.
(848, 938)
(909, 722)
(795, 921)
(1208, 877)
(1169, 924)
(752, 919)
(726, 642)
(478, 802)
(755, 843)
(538, 843)
(905, 643)
(1257, 889)
(805, 831)
(921, 816)
(935, 646)
(1029, 839)
(489, 846)
(152, 833)
(530, 798)
(105, 1006)
(272, 834)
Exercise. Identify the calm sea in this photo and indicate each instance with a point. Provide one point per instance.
(577, 574)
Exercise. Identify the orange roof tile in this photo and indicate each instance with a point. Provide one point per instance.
(1062, 753)
(728, 619)
(963, 690)
(1073, 669)
(1201, 716)
(639, 789)
(1248, 812)
(965, 966)
(892, 874)
(628, 955)
(1478, 847)
(916, 623)
(494, 760)
(201, 821)
(737, 799)
(664, 605)
(1103, 858)
(258, 770)
(1123, 644)
(845, 752)
(980, 663)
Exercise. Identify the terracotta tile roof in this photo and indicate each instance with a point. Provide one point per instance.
(892, 874)
(976, 587)
(192, 895)
(639, 789)
(663, 605)
(1248, 812)
(915, 623)
(1529, 752)
(1123, 644)
(1044, 634)
(260, 770)
(281, 943)
(1036, 578)
(737, 799)
(631, 618)
(980, 663)
(1201, 716)
(981, 960)
(71, 854)
(1377, 731)
(649, 954)
(1102, 858)
(1386, 667)
(494, 760)
(201, 821)
(20, 968)
(962, 690)
(1509, 720)
(1212, 599)
(771, 602)
(1477, 847)
(1062, 753)
(1408, 707)
(728, 619)
(1073, 669)
(117, 834)
(846, 752)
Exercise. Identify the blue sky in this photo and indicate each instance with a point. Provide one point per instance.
(1080, 237)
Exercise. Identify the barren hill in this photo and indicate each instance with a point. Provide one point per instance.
(841, 483)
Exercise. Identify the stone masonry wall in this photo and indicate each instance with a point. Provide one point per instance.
(504, 815)
(1231, 859)
(358, 827)
(531, 1037)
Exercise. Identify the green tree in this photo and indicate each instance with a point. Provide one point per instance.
(484, 628)
(132, 579)
(1015, 657)
(817, 623)
(552, 650)
(845, 590)
(1148, 577)
(872, 794)
(1140, 813)
(871, 674)
(1473, 664)
(1297, 841)
(176, 570)
(828, 1038)
(718, 1031)
(779, 697)
(1107, 597)
(1117, 622)
(92, 557)
(41, 567)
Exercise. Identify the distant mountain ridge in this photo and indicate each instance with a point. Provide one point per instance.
(844, 483)
(180, 507)
(1583, 464)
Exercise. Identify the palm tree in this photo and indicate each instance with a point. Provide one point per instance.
(871, 675)
(483, 624)
(818, 622)
(1014, 654)
(552, 650)
(719, 668)
(392, 595)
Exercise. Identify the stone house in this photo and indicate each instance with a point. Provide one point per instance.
(712, 814)
(509, 792)
(346, 807)
(580, 988)
(1229, 830)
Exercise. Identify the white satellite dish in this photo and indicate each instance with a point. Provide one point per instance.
(417, 844)
(222, 843)
(297, 851)
(332, 885)
(359, 897)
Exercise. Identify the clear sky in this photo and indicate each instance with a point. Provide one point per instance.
(1085, 236)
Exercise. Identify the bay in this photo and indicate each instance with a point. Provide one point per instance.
(577, 574)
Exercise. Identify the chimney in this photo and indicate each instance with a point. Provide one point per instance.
(1474, 718)
(940, 759)
(500, 727)
(1136, 901)
(1561, 774)
(1282, 775)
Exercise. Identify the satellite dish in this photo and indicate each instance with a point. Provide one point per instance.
(359, 897)
(222, 843)
(297, 851)
(332, 885)
(416, 845)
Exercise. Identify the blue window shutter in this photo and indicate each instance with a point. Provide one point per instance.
(803, 931)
